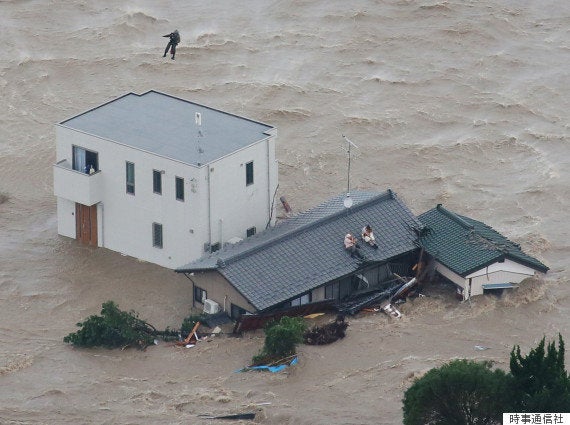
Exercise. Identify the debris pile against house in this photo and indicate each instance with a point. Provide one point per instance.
(326, 334)
(249, 322)
(192, 337)
(201, 331)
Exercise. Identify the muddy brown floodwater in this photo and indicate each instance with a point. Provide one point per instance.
(463, 103)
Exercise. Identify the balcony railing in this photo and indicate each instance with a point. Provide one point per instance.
(86, 189)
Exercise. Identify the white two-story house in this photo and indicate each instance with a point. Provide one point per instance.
(163, 179)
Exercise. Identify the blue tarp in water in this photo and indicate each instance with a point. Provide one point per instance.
(273, 369)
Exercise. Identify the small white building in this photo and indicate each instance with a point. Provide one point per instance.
(163, 179)
(472, 255)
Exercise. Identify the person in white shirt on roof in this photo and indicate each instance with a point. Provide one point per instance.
(368, 236)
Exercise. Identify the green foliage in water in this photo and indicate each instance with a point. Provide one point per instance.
(113, 328)
(281, 339)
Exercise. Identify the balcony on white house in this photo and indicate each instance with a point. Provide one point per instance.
(77, 186)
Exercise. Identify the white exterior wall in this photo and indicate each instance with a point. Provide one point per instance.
(235, 206)
(128, 218)
(506, 266)
(66, 217)
(508, 271)
(124, 221)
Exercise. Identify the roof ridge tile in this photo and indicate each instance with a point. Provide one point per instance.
(319, 221)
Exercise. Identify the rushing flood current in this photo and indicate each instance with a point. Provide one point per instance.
(464, 103)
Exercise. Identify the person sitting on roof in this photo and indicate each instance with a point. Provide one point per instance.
(351, 245)
(368, 236)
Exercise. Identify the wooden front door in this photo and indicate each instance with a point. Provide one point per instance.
(86, 224)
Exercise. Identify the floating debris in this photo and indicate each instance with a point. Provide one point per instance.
(481, 347)
(331, 332)
(390, 310)
(274, 367)
(236, 417)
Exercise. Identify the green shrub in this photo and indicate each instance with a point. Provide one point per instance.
(459, 392)
(114, 328)
(281, 339)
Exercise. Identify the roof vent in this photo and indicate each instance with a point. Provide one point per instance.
(198, 119)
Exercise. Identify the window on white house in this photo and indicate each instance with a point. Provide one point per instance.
(130, 177)
(157, 235)
(179, 188)
(249, 173)
(157, 182)
(83, 160)
(250, 232)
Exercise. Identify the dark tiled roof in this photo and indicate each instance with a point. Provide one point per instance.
(465, 245)
(307, 251)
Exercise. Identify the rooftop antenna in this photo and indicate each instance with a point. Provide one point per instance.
(348, 200)
(198, 121)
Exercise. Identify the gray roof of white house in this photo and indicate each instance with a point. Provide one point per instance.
(166, 126)
(307, 251)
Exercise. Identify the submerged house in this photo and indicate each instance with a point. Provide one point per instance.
(303, 259)
(163, 179)
(472, 255)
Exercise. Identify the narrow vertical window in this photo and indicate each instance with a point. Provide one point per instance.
(179, 188)
(130, 178)
(249, 173)
(157, 182)
(79, 160)
(157, 235)
(199, 294)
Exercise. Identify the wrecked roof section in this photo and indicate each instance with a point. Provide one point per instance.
(307, 251)
(465, 245)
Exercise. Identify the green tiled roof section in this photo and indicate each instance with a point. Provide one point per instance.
(465, 245)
